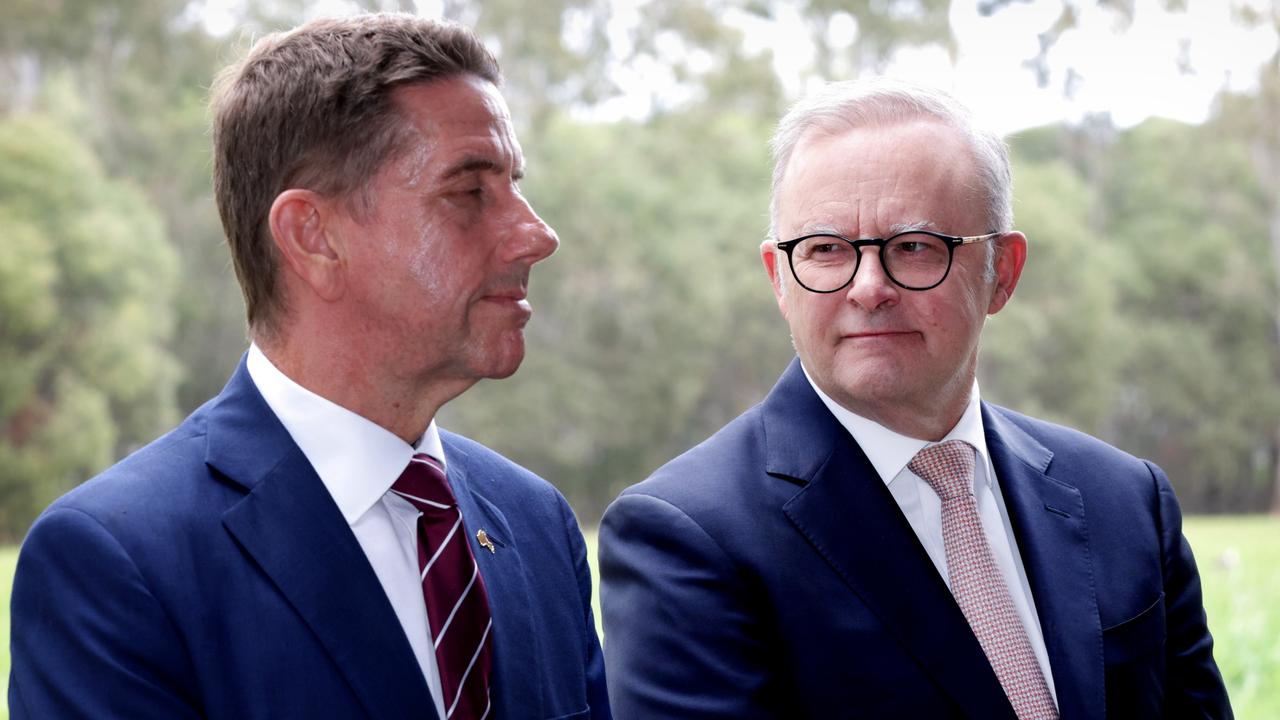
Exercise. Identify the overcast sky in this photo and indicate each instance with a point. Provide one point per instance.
(1166, 64)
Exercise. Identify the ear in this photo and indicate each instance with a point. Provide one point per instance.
(1011, 254)
(303, 225)
(770, 255)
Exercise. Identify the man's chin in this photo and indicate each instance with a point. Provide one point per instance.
(503, 373)
(503, 361)
(862, 382)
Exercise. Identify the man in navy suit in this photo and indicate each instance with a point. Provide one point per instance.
(873, 540)
(265, 559)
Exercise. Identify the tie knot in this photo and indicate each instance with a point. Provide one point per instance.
(947, 467)
(423, 484)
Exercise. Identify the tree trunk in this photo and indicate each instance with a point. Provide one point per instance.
(1275, 470)
(24, 79)
(1275, 258)
(1268, 144)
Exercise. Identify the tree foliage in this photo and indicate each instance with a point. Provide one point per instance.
(1204, 397)
(1052, 352)
(87, 280)
(1244, 126)
(1144, 315)
(1147, 315)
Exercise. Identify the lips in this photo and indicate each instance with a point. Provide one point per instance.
(875, 340)
(513, 300)
(516, 295)
(872, 334)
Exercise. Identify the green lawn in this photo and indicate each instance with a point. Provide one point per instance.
(1239, 560)
(8, 560)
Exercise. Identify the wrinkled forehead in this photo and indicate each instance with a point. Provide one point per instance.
(877, 179)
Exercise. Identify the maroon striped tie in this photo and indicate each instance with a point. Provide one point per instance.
(457, 605)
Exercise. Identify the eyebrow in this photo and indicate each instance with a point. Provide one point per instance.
(894, 229)
(476, 163)
(908, 227)
(818, 229)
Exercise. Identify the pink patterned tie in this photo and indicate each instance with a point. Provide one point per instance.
(976, 582)
(457, 605)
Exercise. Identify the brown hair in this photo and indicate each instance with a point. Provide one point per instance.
(313, 108)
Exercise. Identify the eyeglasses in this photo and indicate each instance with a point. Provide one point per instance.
(914, 260)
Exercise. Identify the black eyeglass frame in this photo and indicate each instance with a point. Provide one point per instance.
(952, 241)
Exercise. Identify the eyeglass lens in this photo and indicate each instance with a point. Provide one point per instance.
(826, 263)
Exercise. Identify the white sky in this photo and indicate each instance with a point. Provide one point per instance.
(1132, 74)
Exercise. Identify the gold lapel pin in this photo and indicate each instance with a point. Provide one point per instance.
(485, 542)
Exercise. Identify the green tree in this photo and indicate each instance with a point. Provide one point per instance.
(1248, 123)
(1199, 393)
(86, 285)
(1055, 351)
(1256, 118)
(1154, 312)
(140, 69)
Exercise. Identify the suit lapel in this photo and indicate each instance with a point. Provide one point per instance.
(516, 653)
(1048, 518)
(290, 526)
(847, 514)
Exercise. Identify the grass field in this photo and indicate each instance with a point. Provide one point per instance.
(8, 560)
(1239, 560)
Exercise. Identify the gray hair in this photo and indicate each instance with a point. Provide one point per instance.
(842, 106)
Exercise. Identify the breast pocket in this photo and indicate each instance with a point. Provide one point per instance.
(580, 715)
(1134, 652)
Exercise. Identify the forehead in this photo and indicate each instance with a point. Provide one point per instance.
(458, 116)
(876, 180)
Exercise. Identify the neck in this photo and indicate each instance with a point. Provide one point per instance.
(351, 375)
(928, 417)
(931, 422)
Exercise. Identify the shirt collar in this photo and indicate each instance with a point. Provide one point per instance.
(356, 459)
(889, 451)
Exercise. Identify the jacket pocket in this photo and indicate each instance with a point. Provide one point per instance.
(1135, 666)
(1136, 637)
(579, 715)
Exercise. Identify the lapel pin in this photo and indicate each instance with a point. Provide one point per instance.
(485, 542)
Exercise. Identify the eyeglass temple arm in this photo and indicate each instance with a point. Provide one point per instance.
(978, 238)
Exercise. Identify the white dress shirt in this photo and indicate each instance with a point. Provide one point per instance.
(890, 452)
(358, 460)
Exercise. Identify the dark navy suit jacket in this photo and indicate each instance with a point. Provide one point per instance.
(211, 575)
(768, 573)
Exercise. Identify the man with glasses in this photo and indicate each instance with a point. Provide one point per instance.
(873, 540)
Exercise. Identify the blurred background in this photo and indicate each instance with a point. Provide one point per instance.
(1146, 145)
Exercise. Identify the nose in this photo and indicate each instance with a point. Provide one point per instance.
(532, 239)
(871, 287)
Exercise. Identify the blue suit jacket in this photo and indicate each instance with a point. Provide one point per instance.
(211, 575)
(768, 573)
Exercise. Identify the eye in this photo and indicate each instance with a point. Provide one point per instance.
(469, 195)
(824, 249)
